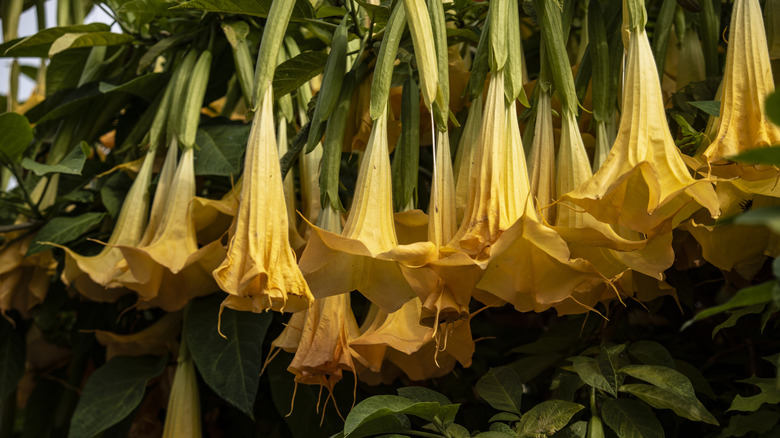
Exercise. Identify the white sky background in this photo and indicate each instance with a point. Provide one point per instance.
(28, 26)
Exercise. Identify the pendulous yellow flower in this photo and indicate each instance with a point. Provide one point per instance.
(366, 254)
(643, 184)
(260, 272)
(747, 80)
(182, 418)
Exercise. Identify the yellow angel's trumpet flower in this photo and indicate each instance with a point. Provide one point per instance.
(643, 183)
(442, 223)
(183, 416)
(94, 276)
(168, 270)
(365, 255)
(541, 161)
(297, 241)
(732, 247)
(157, 339)
(323, 351)
(24, 281)
(259, 271)
(465, 157)
(747, 80)
(691, 66)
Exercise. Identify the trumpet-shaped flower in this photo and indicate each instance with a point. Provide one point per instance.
(183, 415)
(466, 157)
(643, 184)
(157, 339)
(259, 271)
(747, 80)
(24, 281)
(297, 241)
(168, 270)
(94, 276)
(365, 255)
(541, 161)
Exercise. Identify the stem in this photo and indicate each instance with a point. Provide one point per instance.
(8, 415)
(16, 227)
(353, 14)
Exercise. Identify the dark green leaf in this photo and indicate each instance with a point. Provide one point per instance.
(699, 382)
(70, 164)
(296, 71)
(577, 429)
(229, 365)
(64, 72)
(651, 353)
(772, 105)
(221, 148)
(15, 135)
(504, 416)
(302, 9)
(588, 370)
(547, 417)
(661, 398)
(711, 107)
(769, 156)
(112, 392)
(631, 419)
(662, 377)
(12, 357)
(380, 406)
(757, 422)
(493, 434)
(423, 394)
(113, 192)
(529, 367)
(734, 316)
(770, 394)
(62, 230)
(607, 369)
(38, 45)
(758, 294)
(502, 389)
(88, 39)
(145, 86)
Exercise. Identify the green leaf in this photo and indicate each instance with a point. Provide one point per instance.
(768, 155)
(757, 422)
(12, 357)
(527, 368)
(651, 353)
(257, 8)
(711, 107)
(62, 230)
(770, 394)
(71, 164)
(502, 389)
(699, 382)
(229, 365)
(588, 370)
(631, 419)
(547, 417)
(772, 106)
(15, 135)
(380, 406)
(112, 392)
(145, 86)
(493, 434)
(765, 216)
(578, 429)
(113, 192)
(607, 369)
(295, 72)
(221, 149)
(75, 40)
(504, 416)
(63, 73)
(734, 316)
(662, 377)
(661, 398)
(759, 294)
(423, 394)
(37, 45)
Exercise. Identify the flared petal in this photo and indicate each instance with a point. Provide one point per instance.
(747, 80)
(93, 275)
(260, 271)
(643, 183)
(366, 254)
